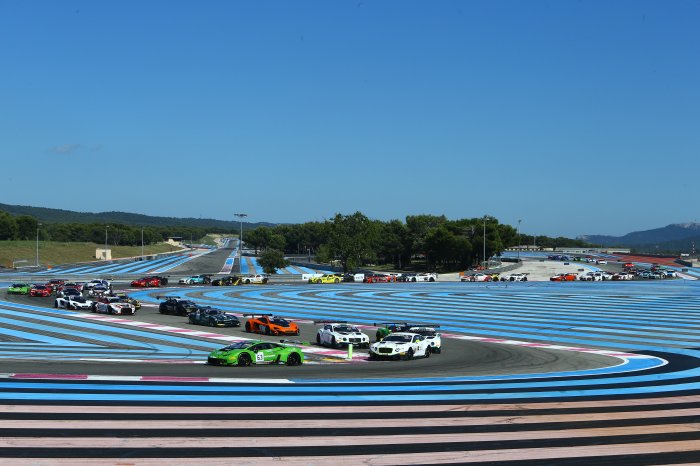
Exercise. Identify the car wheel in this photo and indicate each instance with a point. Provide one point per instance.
(247, 327)
(427, 352)
(264, 280)
(161, 310)
(318, 339)
(524, 279)
(337, 280)
(293, 360)
(212, 323)
(244, 359)
(371, 356)
(431, 279)
(55, 304)
(94, 308)
(409, 355)
(334, 343)
(379, 336)
(265, 329)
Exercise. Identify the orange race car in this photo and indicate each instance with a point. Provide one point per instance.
(267, 324)
(564, 277)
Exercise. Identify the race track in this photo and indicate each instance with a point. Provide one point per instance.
(532, 373)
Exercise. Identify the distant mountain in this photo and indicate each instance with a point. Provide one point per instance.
(47, 215)
(678, 236)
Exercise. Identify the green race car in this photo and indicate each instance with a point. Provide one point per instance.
(245, 353)
(19, 288)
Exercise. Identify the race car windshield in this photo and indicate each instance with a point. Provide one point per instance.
(398, 338)
(238, 345)
(425, 333)
(213, 312)
(346, 328)
(18, 285)
(280, 322)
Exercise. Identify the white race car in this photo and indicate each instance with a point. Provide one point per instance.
(515, 277)
(73, 302)
(431, 336)
(254, 278)
(93, 283)
(402, 345)
(424, 277)
(341, 334)
(113, 305)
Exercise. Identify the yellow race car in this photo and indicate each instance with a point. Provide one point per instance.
(326, 278)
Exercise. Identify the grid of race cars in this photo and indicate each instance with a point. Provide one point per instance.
(398, 341)
(394, 341)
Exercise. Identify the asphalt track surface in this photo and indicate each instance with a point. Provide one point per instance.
(459, 357)
(519, 404)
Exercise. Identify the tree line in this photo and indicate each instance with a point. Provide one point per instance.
(430, 242)
(25, 227)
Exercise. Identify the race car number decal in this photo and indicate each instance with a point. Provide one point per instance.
(259, 357)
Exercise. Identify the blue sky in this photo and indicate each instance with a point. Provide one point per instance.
(578, 117)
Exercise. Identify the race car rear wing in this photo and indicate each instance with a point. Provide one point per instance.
(168, 297)
(256, 314)
(330, 322)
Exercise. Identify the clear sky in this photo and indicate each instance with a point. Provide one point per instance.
(578, 117)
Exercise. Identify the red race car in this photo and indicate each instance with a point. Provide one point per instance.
(55, 284)
(378, 278)
(149, 282)
(40, 290)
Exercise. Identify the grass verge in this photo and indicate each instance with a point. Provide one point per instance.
(54, 253)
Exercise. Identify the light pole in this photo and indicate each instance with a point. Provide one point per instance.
(105, 253)
(484, 240)
(141, 243)
(240, 238)
(37, 243)
(519, 239)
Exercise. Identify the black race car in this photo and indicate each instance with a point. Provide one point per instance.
(213, 318)
(175, 305)
(230, 280)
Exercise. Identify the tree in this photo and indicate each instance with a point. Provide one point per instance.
(351, 239)
(271, 260)
(26, 227)
(8, 226)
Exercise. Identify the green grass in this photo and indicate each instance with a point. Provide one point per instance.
(54, 253)
(209, 240)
